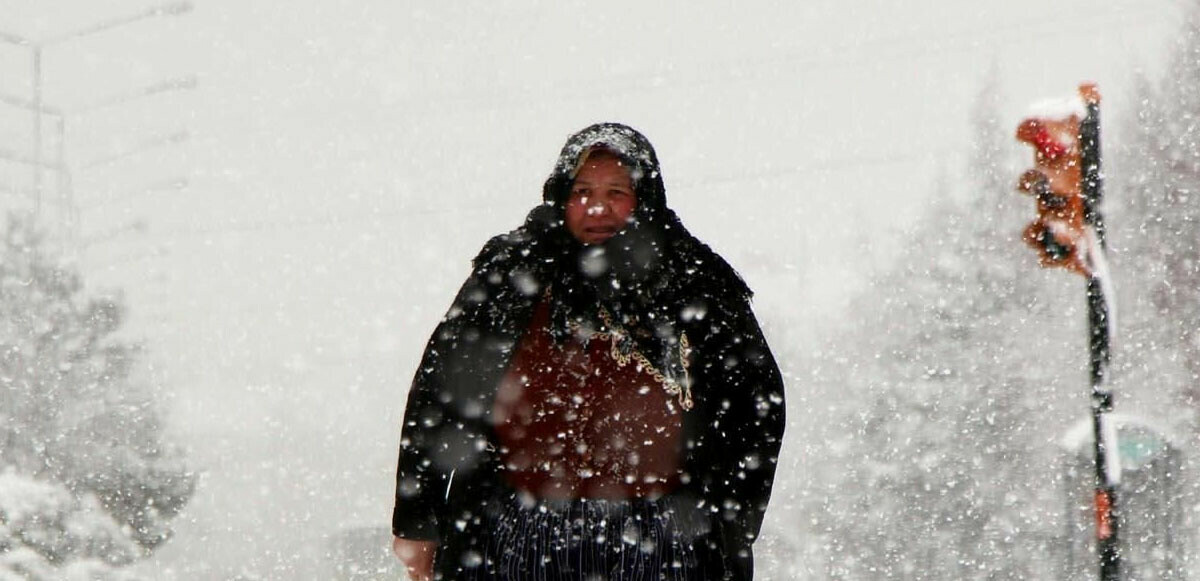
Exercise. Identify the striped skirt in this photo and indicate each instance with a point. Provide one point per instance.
(525, 539)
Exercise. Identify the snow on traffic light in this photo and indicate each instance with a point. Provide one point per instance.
(1060, 234)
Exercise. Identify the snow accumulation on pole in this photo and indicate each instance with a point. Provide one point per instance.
(1102, 279)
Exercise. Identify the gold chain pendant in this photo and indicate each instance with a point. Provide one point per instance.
(622, 350)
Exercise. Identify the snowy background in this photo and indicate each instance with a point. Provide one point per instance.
(288, 226)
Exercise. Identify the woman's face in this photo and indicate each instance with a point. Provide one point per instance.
(602, 199)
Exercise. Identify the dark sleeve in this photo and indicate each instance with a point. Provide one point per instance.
(745, 431)
(421, 482)
(439, 440)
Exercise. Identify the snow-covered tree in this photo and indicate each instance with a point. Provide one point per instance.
(1155, 206)
(965, 353)
(87, 481)
(1157, 230)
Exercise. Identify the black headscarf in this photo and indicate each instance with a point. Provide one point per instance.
(646, 275)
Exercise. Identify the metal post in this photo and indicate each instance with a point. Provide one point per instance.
(1108, 467)
(37, 130)
(66, 193)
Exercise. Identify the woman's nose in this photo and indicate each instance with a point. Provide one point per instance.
(598, 206)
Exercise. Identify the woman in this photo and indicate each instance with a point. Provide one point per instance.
(599, 402)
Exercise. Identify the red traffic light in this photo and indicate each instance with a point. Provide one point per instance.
(1047, 137)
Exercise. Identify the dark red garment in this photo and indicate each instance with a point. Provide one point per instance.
(573, 423)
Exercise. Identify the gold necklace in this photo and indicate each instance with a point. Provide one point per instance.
(623, 350)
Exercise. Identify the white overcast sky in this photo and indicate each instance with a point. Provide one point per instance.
(346, 159)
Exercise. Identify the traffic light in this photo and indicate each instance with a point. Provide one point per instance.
(1069, 231)
(1060, 234)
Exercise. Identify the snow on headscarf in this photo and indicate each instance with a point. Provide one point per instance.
(644, 275)
(634, 150)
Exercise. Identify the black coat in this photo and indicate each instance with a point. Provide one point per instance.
(449, 466)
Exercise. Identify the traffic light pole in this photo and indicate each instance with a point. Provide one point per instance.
(1108, 468)
(1107, 464)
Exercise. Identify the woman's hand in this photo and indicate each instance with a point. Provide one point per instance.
(417, 556)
